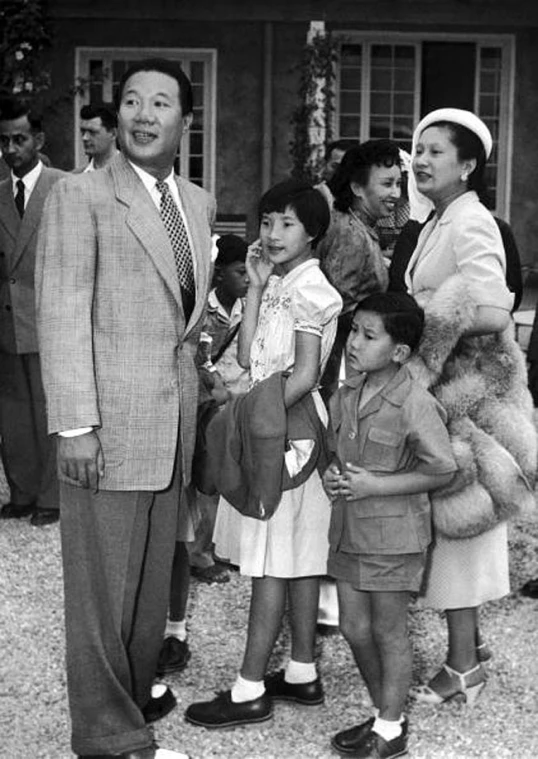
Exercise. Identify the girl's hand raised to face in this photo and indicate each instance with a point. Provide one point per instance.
(259, 267)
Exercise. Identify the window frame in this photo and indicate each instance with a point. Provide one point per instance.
(207, 56)
(505, 42)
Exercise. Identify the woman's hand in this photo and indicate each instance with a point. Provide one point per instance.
(358, 483)
(331, 481)
(259, 267)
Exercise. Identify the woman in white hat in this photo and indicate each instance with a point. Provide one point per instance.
(470, 361)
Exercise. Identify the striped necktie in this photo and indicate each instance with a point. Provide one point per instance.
(175, 227)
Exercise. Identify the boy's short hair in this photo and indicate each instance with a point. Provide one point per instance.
(402, 317)
(231, 249)
(308, 203)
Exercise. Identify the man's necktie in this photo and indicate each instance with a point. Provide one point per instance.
(177, 233)
(19, 197)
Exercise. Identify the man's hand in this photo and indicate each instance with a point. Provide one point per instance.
(357, 482)
(332, 480)
(81, 460)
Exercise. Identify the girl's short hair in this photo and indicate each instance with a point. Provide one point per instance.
(356, 166)
(401, 315)
(308, 203)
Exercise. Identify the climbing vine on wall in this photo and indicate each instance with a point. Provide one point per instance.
(23, 38)
(315, 108)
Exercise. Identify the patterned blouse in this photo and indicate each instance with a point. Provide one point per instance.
(301, 301)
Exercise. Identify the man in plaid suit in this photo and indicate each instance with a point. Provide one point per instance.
(118, 332)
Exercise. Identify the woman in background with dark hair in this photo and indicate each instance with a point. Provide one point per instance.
(471, 362)
(366, 187)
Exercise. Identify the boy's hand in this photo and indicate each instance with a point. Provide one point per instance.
(357, 482)
(331, 481)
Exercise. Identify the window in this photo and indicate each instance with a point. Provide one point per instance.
(385, 83)
(99, 70)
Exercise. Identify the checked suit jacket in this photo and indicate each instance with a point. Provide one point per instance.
(116, 353)
(18, 241)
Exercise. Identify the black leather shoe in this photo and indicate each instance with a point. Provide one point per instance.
(349, 742)
(223, 712)
(530, 589)
(309, 694)
(14, 511)
(346, 741)
(41, 517)
(173, 657)
(158, 707)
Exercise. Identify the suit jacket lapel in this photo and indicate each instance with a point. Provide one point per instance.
(9, 217)
(145, 222)
(32, 214)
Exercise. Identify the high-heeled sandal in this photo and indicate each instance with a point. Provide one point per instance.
(427, 695)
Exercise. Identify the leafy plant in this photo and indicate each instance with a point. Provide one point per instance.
(315, 108)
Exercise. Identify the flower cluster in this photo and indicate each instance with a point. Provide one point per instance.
(23, 37)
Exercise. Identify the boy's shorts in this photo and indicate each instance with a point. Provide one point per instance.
(378, 572)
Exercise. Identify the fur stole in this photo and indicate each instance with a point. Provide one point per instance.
(482, 384)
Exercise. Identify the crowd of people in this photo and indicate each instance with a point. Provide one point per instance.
(340, 403)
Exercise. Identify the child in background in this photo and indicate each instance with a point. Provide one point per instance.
(392, 448)
(289, 324)
(226, 379)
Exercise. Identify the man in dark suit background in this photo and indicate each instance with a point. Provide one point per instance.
(123, 274)
(28, 454)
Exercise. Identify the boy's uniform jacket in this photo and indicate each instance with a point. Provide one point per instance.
(400, 429)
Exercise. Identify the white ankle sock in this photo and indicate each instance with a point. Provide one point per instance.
(298, 672)
(176, 629)
(246, 690)
(387, 729)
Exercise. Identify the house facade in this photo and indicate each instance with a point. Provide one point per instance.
(394, 61)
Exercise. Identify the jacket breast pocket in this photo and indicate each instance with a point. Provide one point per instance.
(382, 449)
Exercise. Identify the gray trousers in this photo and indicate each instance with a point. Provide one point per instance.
(28, 453)
(117, 552)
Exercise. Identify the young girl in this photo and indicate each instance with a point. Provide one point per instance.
(392, 447)
(289, 324)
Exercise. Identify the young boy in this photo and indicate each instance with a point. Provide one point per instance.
(224, 379)
(391, 448)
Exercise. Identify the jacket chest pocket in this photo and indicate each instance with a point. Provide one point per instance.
(382, 449)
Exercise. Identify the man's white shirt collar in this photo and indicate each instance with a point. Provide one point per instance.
(29, 180)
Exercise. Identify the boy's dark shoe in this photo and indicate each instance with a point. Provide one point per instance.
(214, 574)
(359, 740)
(223, 712)
(347, 741)
(308, 694)
(530, 589)
(42, 517)
(159, 706)
(173, 657)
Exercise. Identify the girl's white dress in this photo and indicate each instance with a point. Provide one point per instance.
(293, 542)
